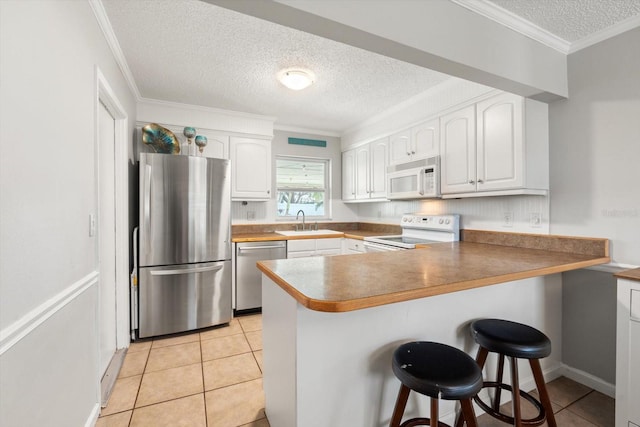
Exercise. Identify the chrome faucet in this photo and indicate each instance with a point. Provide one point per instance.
(297, 215)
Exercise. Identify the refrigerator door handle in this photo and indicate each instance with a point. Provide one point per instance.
(147, 205)
(255, 248)
(185, 270)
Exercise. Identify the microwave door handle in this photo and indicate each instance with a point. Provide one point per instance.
(421, 176)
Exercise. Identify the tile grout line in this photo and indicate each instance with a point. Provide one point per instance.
(204, 388)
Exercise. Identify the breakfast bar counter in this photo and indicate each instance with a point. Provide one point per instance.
(331, 324)
(346, 283)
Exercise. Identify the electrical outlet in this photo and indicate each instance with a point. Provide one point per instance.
(251, 215)
(535, 220)
(507, 219)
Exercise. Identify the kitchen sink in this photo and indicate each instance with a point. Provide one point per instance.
(307, 232)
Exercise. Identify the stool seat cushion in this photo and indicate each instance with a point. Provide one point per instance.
(511, 338)
(437, 370)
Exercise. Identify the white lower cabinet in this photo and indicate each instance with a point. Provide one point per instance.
(313, 247)
(352, 246)
(628, 354)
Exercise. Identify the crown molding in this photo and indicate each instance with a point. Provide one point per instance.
(606, 33)
(231, 113)
(112, 41)
(510, 20)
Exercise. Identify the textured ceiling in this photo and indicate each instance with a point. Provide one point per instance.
(192, 52)
(196, 53)
(572, 20)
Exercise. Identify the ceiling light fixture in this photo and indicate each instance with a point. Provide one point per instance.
(296, 78)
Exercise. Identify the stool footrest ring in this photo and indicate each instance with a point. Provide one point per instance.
(421, 422)
(506, 418)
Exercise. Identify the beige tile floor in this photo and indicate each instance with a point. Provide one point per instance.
(213, 378)
(210, 378)
(574, 404)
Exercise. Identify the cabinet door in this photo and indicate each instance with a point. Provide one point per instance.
(634, 370)
(378, 151)
(458, 151)
(425, 140)
(349, 175)
(362, 172)
(217, 146)
(399, 147)
(353, 246)
(250, 168)
(500, 143)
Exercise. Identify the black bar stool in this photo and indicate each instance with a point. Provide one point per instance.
(515, 341)
(438, 371)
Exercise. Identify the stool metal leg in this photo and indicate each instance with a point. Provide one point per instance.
(515, 393)
(542, 391)
(401, 403)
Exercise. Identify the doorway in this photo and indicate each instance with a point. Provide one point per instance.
(112, 243)
(106, 237)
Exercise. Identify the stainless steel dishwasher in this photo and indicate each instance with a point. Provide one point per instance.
(248, 277)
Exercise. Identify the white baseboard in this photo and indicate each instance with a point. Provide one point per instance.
(93, 416)
(13, 333)
(590, 381)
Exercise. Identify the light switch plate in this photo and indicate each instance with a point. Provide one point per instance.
(92, 225)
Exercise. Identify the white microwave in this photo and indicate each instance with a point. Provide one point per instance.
(419, 179)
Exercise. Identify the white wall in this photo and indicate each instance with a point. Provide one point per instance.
(595, 158)
(265, 212)
(48, 281)
(595, 147)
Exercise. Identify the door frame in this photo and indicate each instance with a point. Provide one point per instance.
(104, 94)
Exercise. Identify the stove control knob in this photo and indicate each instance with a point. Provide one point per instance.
(441, 220)
(447, 221)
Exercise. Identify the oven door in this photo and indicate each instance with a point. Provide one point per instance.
(378, 247)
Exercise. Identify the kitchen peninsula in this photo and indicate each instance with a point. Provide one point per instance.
(330, 324)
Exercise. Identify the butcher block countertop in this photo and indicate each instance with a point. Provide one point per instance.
(353, 282)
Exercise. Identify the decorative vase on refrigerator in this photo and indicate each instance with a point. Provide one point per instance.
(184, 243)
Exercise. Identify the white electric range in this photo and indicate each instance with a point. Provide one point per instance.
(417, 229)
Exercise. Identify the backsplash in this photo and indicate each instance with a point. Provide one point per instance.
(481, 213)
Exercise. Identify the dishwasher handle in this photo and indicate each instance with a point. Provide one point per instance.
(255, 248)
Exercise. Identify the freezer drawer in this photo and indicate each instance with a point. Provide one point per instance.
(248, 277)
(184, 297)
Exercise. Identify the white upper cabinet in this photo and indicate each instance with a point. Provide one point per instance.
(348, 175)
(400, 147)
(379, 159)
(251, 168)
(500, 161)
(458, 151)
(497, 146)
(364, 172)
(217, 146)
(419, 142)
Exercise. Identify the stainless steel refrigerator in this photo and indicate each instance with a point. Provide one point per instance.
(184, 244)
